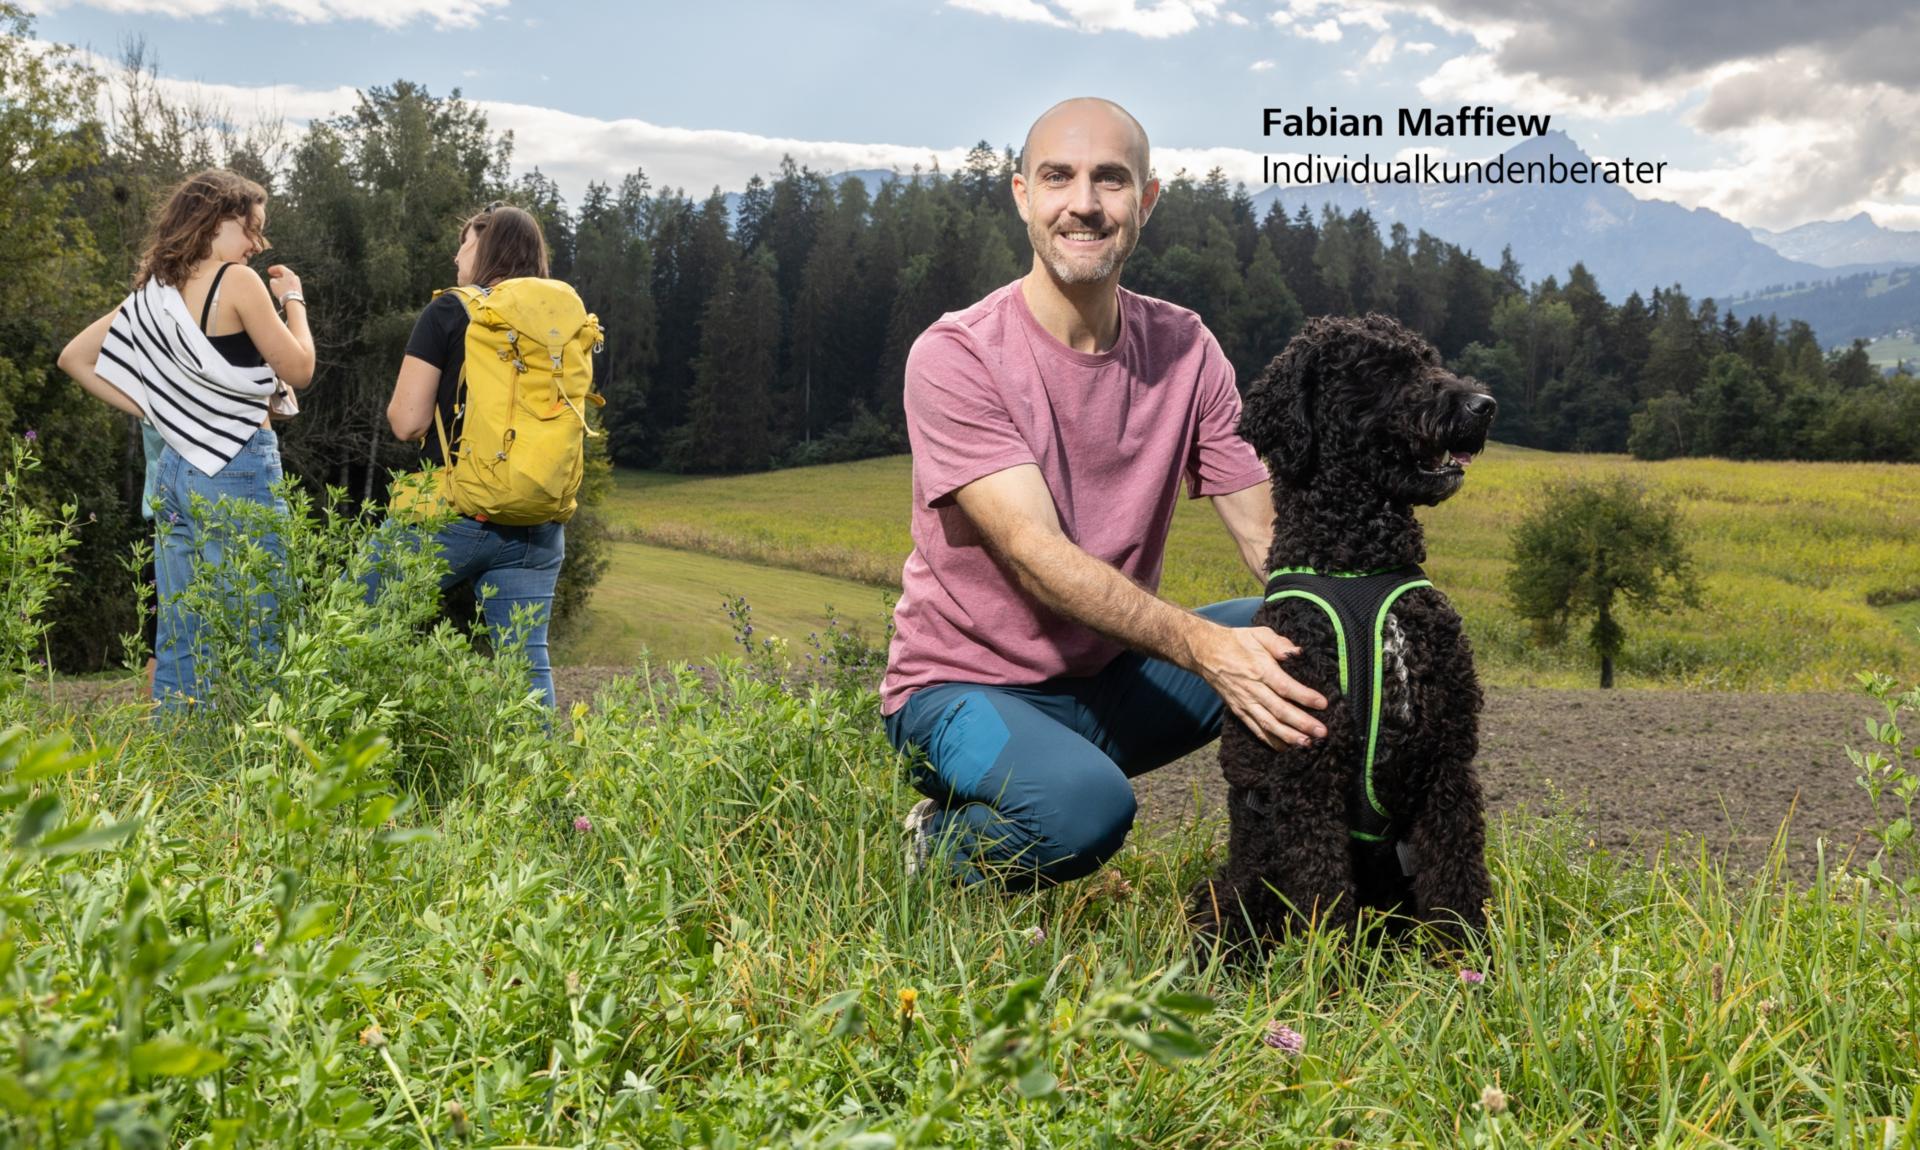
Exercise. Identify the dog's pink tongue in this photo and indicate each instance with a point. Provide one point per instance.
(1463, 457)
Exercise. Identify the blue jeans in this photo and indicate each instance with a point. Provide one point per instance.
(1031, 781)
(509, 566)
(184, 535)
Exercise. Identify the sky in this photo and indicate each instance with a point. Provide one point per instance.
(1771, 112)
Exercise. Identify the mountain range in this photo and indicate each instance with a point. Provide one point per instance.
(1850, 245)
(1627, 243)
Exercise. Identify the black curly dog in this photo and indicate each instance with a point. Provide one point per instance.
(1359, 423)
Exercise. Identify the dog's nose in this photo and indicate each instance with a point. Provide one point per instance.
(1479, 405)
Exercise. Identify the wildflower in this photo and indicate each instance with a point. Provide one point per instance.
(573, 984)
(1284, 1038)
(373, 1036)
(32, 436)
(457, 1115)
(1766, 1006)
(1036, 936)
(1493, 1100)
(1472, 977)
(582, 823)
(579, 711)
(259, 950)
(908, 997)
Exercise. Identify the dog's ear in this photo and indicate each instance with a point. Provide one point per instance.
(1277, 418)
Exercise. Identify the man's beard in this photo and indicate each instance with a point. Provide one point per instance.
(1069, 271)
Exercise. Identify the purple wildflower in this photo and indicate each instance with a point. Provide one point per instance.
(1284, 1038)
(1036, 936)
(1472, 977)
(582, 823)
(32, 436)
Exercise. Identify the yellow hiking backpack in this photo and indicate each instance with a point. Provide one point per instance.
(521, 404)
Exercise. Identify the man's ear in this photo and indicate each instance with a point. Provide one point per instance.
(1277, 417)
(1149, 197)
(1019, 187)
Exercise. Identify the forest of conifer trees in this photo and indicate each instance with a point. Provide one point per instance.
(772, 330)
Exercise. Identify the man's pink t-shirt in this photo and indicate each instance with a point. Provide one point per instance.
(987, 389)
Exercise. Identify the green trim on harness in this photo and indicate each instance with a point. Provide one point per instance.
(1363, 597)
(1379, 661)
(1329, 574)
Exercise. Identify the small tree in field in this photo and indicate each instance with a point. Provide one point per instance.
(1590, 549)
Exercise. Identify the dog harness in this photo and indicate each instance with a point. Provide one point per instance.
(1357, 604)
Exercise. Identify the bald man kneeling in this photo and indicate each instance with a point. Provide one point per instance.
(1033, 670)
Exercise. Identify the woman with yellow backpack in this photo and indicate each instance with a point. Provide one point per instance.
(500, 369)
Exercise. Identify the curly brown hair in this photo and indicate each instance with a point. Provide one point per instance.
(510, 244)
(183, 228)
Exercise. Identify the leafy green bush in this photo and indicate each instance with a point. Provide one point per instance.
(288, 637)
(33, 551)
(1890, 773)
(1587, 549)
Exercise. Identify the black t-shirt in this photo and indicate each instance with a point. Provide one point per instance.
(440, 338)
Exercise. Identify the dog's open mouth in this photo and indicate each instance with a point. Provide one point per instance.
(1446, 462)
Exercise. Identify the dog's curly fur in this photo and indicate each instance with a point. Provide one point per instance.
(1359, 423)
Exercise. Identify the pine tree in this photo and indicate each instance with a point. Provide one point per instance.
(730, 408)
(1267, 317)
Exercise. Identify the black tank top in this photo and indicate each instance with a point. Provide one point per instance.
(237, 349)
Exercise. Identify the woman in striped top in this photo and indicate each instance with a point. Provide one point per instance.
(198, 352)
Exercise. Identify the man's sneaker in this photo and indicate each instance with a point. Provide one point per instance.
(919, 827)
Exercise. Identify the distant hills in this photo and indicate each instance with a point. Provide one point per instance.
(1863, 306)
(1857, 244)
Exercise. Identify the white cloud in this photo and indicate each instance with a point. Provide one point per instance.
(1026, 11)
(1152, 19)
(385, 13)
(1381, 52)
(1239, 164)
(1326, 31)
(1235, 19)
(1901, 217)
(575, 149)
(1260, 66)
(1478, 78)
(1419, 47)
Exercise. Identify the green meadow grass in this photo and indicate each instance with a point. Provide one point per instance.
(682, 921)
(671, 605)
(1788, 554)
(1887, 352)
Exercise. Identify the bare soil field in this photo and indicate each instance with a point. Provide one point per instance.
(1642, 770)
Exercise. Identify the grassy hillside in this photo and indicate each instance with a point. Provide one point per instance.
(1789, 554)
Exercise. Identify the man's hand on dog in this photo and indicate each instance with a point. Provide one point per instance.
(1242, 664)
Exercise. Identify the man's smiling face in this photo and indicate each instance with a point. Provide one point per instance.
(1083, 190)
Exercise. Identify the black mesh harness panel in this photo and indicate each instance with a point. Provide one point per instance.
(1357, 604)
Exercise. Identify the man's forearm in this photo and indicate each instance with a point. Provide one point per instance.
(1074, 584)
